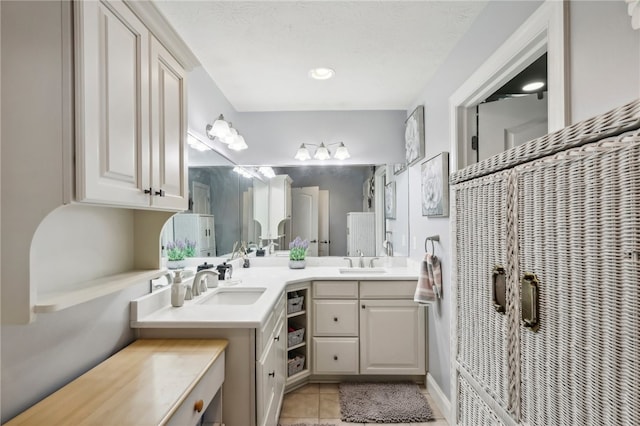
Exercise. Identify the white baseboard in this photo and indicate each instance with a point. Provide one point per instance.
(439, 398)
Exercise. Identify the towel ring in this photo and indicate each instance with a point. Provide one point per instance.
(433, 246)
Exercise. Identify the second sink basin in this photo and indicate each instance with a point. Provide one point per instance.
(362, 270)
(233, 296)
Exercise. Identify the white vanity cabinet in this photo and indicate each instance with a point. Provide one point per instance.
(272, 205)
(270, 370)
(368, 327)
(392, 329)
(130, 112)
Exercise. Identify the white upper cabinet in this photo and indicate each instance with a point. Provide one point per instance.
(272, 205)
(168, 129)
(130, 112)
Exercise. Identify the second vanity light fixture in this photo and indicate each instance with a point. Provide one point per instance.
(322, 152)
(226, 134)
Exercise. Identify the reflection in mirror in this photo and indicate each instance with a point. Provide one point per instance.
(221, 210)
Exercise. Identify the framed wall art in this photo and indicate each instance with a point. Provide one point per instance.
(390, 200)
(435, 186)
(414, 136)
(399, 168)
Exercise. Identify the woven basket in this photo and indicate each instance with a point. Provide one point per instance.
(295, 337)
(295, 304)
(295, 365)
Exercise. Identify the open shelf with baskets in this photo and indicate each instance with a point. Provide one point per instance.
(298, 361)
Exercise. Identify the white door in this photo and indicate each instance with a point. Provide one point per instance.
(392, 337)
(323, 223)
(201, 198)
(304, 216)
(501, 122)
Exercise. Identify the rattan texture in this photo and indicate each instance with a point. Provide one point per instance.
(613, 123)
(473, 410)
(579, 233)
(573, 220)
(481, 231)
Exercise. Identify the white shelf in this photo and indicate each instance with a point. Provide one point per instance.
(295, 314)
(89, 290)
(299, 345)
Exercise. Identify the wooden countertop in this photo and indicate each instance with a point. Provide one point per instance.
(143, 384)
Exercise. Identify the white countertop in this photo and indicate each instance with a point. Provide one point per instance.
(155, 311)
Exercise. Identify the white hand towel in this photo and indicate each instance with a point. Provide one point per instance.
(429, 287)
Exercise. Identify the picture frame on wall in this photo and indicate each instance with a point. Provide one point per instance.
(399, 168)
(435, 186)
(414, 136)
(390, 200)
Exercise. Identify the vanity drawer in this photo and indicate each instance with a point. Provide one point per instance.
(335, 289)
(387, 289)
(335, 317)
(335, 355)
(200, 396)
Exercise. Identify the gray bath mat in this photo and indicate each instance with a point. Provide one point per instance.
(383, 403)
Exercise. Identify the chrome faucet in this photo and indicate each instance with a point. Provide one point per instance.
(361, 254)
(371, 261)
(350, 261)
(199, 285)
(387, 244)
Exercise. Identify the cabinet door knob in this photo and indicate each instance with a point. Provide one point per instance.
(277, 338)
(272, 374)
(335, 319)
(148, 191)
(160, 193)
(363, 307)
(199, 405)
(335, 357)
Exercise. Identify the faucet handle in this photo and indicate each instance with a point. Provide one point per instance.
(188, 295)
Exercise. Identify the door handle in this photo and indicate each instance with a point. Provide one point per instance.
(313, 241)
(499, 289)
(529, 298)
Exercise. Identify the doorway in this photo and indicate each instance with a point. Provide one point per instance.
(544, 32)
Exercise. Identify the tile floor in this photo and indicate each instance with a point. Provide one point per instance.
(318, 403)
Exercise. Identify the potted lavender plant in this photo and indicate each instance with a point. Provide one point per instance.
(297, 253)
(175, 254)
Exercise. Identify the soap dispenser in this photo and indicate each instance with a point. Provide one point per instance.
(177, 290)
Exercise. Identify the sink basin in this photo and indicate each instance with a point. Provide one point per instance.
(233, 296)
(362, 270)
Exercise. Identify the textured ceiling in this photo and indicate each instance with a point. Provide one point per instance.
(259, 53)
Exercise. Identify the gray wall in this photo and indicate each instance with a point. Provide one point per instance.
(604, 73)
(345, 195)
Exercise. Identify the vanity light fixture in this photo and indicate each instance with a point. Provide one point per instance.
(267, 172)
(322, 152)
(196, 143)
(220, 128)
(242, 172)
(302, 154)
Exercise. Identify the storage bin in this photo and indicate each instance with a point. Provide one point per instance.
(295, 337)
(295, 365)
(295, 304)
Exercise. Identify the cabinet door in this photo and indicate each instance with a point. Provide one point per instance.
(481, 345)
(112, 104)
(168, 130)
(270, 378)
(392, 337)
(579, 222)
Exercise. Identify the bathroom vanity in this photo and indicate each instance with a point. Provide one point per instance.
(255, 317)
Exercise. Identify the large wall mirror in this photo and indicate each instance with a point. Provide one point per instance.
(221, 207)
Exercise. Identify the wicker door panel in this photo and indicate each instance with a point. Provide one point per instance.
(482, 349)
(579, 233)
(472, 409)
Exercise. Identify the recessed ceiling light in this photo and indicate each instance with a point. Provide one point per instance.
(321, 73)
(532, 86)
